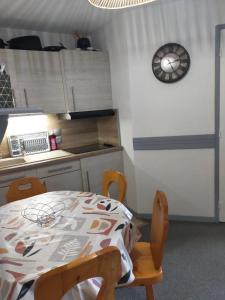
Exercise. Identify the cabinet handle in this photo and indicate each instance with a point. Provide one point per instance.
(60, 169)
(88, 181)
(14, 98)
(25, 96)
(44, 183)
(11, 179)
(73, 96)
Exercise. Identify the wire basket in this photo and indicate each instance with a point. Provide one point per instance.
(43, 214)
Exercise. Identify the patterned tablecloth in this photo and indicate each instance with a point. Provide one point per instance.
(49, 230)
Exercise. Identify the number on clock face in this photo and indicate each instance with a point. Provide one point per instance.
(170, 63)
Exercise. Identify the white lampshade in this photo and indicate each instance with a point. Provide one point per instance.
(116, 4)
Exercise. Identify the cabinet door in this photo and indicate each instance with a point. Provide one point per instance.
(94, 167)
(40, 94)
(63, 176)
(8, 59)
(6, 179)
(40, 80)
(87, 80)
(71, 181)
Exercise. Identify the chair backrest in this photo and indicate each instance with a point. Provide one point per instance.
(24, 187)
(104, 263)
(159, 228)
(111, 176)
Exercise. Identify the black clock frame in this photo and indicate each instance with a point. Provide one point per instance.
(171, 47)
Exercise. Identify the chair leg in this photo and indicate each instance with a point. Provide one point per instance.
(149, 292)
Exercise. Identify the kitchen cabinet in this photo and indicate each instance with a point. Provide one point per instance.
(93, 168)
(5, 180)
(59, 82)
(86, 76)
(66, 176)
(7, 59)
(39, 80)
(78, 175)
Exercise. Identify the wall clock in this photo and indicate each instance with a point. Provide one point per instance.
(170, 63)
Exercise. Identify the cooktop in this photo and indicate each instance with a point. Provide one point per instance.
(88, 148)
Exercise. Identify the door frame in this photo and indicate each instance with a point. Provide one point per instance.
(219, 29)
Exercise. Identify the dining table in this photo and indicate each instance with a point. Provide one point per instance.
(49, 230)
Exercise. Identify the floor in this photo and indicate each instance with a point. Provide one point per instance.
(194, 264)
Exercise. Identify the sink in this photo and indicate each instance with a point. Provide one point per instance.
(8, 162)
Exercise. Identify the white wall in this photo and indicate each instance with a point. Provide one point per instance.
(151, 108)
(186, 176)
(47, 38)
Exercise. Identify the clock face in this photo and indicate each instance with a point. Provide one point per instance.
(170, 63)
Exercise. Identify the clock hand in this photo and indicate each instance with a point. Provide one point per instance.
(170, 63)
(172, 68)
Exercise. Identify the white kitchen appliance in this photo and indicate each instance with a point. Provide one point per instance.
(26, 144)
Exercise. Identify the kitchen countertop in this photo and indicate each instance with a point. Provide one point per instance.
(39, 160)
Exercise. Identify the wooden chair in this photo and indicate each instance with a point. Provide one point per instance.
(25, 187)
(147, 257)
(111, 176)
(104, 263)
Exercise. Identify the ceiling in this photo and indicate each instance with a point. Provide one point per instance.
(57, 15)
(52, 15)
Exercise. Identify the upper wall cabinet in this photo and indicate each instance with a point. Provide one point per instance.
(39, 80)
(8, 64)
(87, 80)
(59, 82)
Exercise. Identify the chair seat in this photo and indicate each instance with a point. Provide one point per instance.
(143, 266)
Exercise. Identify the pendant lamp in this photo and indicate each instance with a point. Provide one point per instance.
(117, 4)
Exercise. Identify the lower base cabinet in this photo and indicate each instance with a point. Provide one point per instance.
(85, 174)
(66, 176)
(70, 181)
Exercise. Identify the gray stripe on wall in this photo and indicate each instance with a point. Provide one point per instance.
(206, 141)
